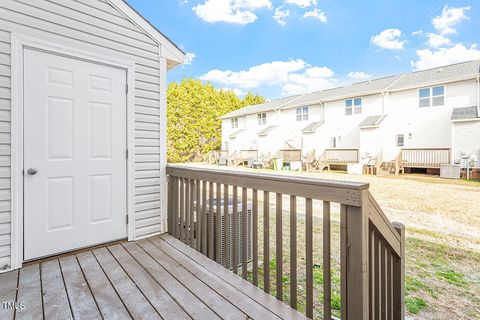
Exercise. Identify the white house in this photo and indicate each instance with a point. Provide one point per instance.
(82, 126)
(414, 112)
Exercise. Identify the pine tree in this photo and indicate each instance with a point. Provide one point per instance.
(193, 109)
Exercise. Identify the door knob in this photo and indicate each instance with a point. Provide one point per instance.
(32, 171)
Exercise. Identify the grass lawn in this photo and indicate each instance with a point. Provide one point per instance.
(442, 219)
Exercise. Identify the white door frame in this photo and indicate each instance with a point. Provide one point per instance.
(18, 44)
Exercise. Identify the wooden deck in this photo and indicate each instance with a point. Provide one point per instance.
(155, 278)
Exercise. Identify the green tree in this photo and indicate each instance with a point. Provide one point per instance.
(193, 109)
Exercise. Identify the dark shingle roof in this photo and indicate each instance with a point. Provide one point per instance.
(466, 113)
(266, 131)
(312, 127)
(372, 121)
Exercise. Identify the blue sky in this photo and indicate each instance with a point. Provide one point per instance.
(284, 47)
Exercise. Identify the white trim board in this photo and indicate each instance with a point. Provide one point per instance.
(18, 43)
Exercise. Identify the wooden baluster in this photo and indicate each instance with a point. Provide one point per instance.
(187, 211)
(255, 236)
(204, 218)
(389, 285)
(244, 232)
(293, 252)
(235, 230)
(327, 286)
(376, 253)
(226, 227)
(218, 225)
(198, 226)
(383, 280)
(279, 247)
(266, 241)
(211, 222)
(399, 277)
(182, 210)
(175, 207)
(343, 260)
(309, 256)
(192, 213)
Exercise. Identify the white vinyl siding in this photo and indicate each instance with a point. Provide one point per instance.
(466, 140)
(5, 172)
(92, 26)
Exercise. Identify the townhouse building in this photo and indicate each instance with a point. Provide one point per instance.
(428, 118)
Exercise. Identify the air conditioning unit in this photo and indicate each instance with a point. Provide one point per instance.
(229, 241)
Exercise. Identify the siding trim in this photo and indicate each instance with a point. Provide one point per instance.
(18, 43)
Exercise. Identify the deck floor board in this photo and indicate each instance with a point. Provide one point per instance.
(154, 278)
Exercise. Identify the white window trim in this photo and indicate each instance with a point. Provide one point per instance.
(353, 107)
(234, 123)
(262, 118)
(302, 114)
(432, 96)
(18, 43)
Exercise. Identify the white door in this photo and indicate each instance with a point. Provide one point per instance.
(74, 154)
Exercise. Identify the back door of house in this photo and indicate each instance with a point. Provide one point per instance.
(74, 154)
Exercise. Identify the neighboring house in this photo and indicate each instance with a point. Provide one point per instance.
(431, 109)
(82, 127)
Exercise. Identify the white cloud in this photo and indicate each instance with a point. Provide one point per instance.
(281, 16)
(443, 56)
(189, 57)
(437, 40)
(445, 22)
(388, 39)
(292, 76)
(359, 75)
(230, 11)
(302, 3)
(416, 33)
(316, 14)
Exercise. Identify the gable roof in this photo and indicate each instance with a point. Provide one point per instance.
(466, 113)
(257, 108)
(372, 121)
(169, 50)
(450, 73)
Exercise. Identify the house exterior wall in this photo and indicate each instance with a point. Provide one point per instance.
(429, 127)
(97, 27)
(466, 139)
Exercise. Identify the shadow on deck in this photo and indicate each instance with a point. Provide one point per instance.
(154, 278)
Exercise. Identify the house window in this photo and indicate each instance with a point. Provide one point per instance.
(234, 123)
(262, 118)
(353, 106)
(400, 140)
(431, 97)
(302, 114)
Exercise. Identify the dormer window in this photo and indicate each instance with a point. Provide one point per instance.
(234, 123)
(431, 97)
(262, 118)
(302, 114)
(353, 106)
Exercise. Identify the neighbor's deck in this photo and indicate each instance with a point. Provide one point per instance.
(155, 278)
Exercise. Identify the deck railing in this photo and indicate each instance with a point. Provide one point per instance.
(290, 155)
(229, 216)
(425, 157)
(341, 156)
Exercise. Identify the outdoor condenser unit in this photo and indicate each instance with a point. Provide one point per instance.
(240, 239)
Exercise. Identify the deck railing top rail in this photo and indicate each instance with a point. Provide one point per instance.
(349, 193)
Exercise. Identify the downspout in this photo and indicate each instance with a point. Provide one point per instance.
(478, 95)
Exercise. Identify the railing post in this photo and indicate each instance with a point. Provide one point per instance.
(354, 260)
(399, 276)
